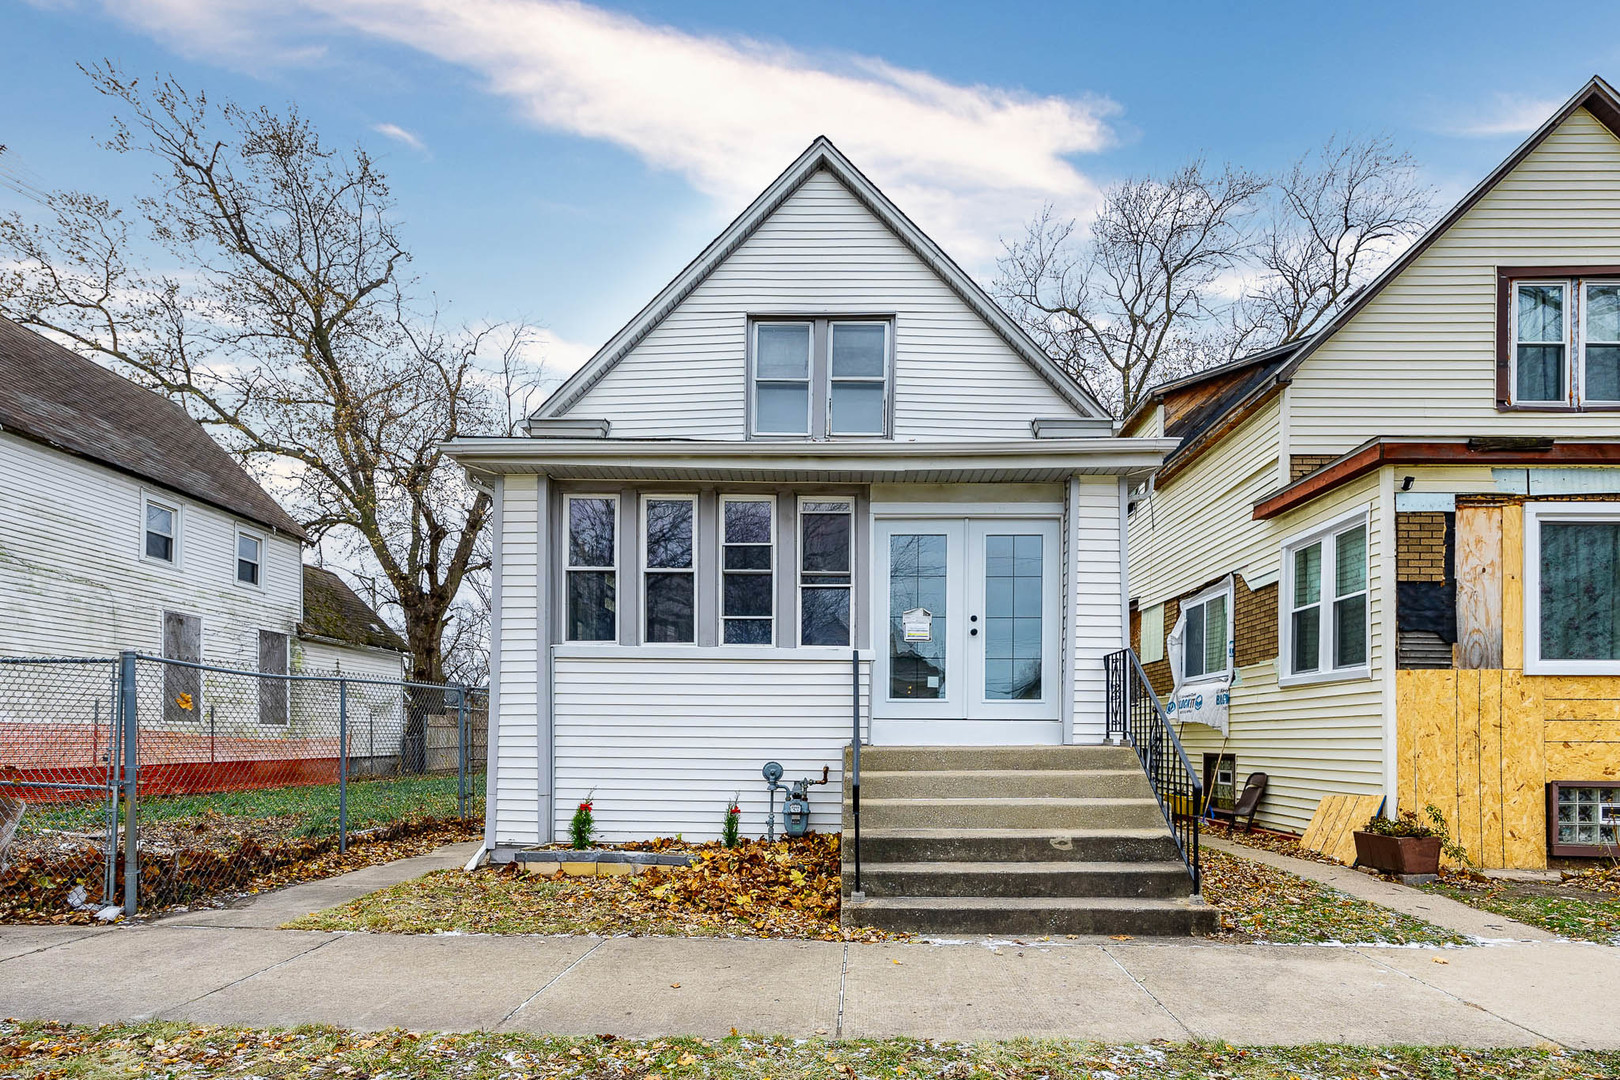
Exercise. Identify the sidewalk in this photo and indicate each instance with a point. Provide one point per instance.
(225, 967)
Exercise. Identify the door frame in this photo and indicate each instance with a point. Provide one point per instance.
(966, 720)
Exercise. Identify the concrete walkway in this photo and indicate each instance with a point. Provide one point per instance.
(227, 967)
(1440, 910)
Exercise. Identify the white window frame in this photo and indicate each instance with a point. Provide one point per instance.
(175, 511)
(1223, 589)
(721, 572)
(236, 561)
(1534, 515)
(1327, 533)
(641, 541)
(1579, 347)
(569, 567)
(798, 569)
(809, 378)
(1570, 351)
(885, 379)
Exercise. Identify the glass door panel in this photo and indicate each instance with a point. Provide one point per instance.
(1013, 601)
(919, 581)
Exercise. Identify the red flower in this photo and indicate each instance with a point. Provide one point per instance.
(585, 806)
(735, 810)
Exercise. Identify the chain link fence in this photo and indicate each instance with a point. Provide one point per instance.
(147, 782)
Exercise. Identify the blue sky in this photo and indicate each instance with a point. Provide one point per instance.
(558, 162)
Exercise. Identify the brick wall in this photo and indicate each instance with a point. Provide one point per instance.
(1420, 546)
(1301, 465)
(1255, 623)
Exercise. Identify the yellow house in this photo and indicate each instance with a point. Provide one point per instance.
(1389, 554)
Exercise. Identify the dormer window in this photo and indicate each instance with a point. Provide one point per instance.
(820, 378)
(1561, 346)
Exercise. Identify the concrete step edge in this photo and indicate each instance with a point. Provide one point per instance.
(1022, 866)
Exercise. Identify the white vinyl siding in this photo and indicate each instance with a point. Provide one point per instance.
(514, 781)
(1315, 739)
(665, 742)
(76, 581)
(1098, 614)
(823, 252)
(1420, 360)
(356, 661)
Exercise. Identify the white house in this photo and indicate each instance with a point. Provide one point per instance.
(1393, 545)
(124, 525)
(821, 479)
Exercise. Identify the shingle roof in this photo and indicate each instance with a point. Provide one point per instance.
(333, 611)
(54, 396)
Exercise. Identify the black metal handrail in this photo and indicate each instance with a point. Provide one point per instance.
(855, 763)
(1136, 717)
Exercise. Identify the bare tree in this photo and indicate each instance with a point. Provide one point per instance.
(1122, 310)
(1338, 215)
(286, 328)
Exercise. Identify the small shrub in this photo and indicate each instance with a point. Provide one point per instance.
(731, 828)
(582, 830)
(1409, 824)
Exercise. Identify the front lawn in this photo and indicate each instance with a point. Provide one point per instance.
(1261, 903)
(786, 889)
(1586, 908)
(156, 1049)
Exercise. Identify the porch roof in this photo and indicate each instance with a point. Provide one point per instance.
(978, 462)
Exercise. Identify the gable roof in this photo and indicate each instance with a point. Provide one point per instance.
(1596, 97)
(54, 396)
(335, 612)
(821, 154)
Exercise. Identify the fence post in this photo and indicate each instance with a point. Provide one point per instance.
(127, 698)
(343, 766)
(462, 738)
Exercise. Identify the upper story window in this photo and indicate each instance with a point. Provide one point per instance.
(162, 531)
(591, 570)
(1325, 617)
(249, 558)
(1562, 348)
(820, 378)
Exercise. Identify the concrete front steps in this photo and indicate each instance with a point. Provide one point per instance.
(1025, 840)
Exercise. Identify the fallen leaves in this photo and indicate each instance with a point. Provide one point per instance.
(1583, 906)
(1261, 903)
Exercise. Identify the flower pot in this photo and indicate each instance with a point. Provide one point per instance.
(1398, 854)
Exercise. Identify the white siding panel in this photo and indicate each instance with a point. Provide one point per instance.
(325, 658)
(1098, 601)
(1419, 360)
(823, 252)
(73, 583)
(663, 744)
(514, 784)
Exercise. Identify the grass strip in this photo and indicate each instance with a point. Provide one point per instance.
(1582, 918)
(169, 1051)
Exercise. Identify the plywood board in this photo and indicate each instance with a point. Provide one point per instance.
(1337, 817)
(1513, 587)
(1479, 586)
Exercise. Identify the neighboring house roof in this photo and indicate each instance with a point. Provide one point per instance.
(334, 612)
(54, 396)
(1596, 97)
(821, 154)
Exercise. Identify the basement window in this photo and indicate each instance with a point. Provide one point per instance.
(1585, 819)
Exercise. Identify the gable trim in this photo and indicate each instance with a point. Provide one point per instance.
(821, 154)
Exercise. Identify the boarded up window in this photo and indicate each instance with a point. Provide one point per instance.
(1425, 589)
(182, 686)
(272, 692)
(1479, 586)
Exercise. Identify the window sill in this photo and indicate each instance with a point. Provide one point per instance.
(1572, 667)
(1315, 677)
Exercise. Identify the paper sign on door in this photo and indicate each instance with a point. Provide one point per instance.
(917, 624)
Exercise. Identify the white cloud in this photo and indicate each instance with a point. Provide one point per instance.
(968, 162)
(1507, 115)
(399, 134)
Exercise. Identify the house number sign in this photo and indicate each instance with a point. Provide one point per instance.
(917, 624)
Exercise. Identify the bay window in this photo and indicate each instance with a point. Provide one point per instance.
(591, 570)
(1572, 588)
(1325, 623)
(747, 559)
(668, 567)
(826, 568)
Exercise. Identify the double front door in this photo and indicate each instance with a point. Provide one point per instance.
(973, 614)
